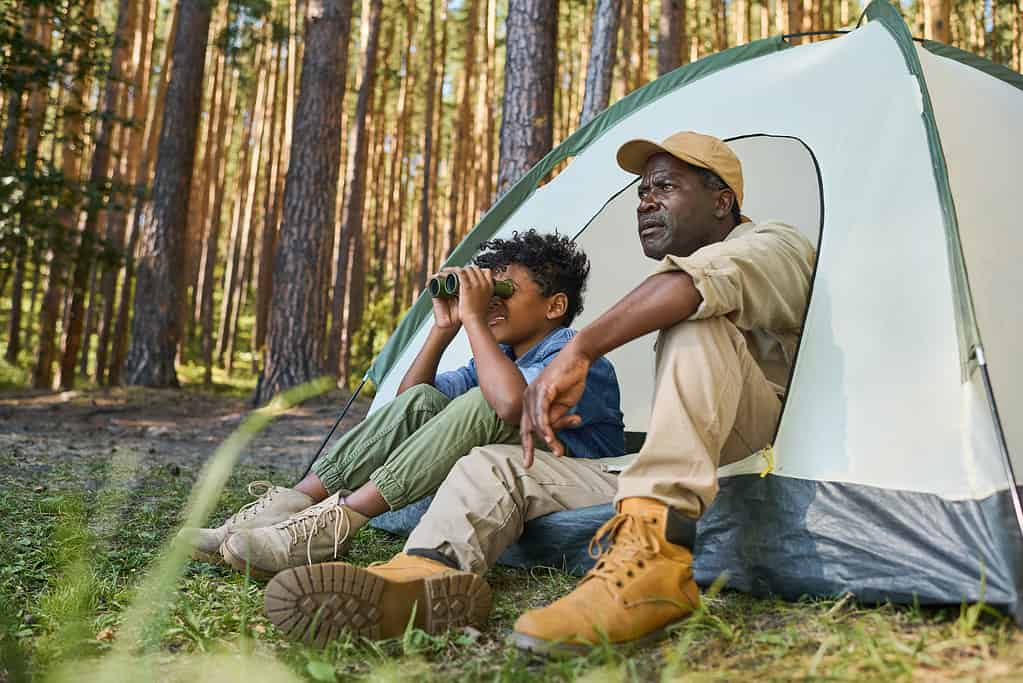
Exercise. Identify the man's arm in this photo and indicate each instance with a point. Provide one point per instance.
(661, 301)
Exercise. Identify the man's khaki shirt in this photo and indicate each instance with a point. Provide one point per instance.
(759, 278)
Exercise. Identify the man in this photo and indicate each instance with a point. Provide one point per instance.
(728, 297)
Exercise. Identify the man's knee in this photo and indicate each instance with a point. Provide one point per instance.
(483, 463)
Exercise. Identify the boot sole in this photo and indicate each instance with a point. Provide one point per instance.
(316, 604)
(558, 649)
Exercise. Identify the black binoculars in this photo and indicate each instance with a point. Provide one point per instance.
(446, 287)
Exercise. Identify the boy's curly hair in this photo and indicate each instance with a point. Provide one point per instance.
(556, 263)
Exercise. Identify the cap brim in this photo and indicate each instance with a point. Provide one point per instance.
(633, 155)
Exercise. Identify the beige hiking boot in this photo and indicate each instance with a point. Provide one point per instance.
(317, 534)
(273, 504)
(315, 604)
(641, 585)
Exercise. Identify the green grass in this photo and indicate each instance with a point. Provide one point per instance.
(89, 590)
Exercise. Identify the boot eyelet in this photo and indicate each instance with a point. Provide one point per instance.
(630, 574)
(619, 584)
(641, 564)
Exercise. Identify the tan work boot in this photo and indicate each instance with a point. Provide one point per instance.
(317, 534)
(316, 603)
(642, 584)
(274, 504)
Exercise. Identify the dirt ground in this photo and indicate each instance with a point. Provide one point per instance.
(175, 429)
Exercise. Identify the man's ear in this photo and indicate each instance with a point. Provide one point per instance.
(723, 206)
(557, 305)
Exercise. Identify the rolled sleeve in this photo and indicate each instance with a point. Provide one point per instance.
(758, 276)
(454, 383)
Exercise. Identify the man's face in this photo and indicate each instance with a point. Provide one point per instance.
(677, 214)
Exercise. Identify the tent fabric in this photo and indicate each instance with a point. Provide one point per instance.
(889, 453)
(833, 541)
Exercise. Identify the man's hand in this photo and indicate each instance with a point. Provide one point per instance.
(548, 399)
(475, 291)
(445, 311)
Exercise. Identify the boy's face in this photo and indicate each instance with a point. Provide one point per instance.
(524, 317)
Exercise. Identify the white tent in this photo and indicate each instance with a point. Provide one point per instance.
(891, 473)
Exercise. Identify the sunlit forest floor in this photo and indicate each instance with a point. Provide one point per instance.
(94, 483)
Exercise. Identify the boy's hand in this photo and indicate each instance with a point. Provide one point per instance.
(475, 291)
(445, 311)
(548, 399)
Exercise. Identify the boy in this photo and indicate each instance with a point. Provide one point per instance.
(404, 451)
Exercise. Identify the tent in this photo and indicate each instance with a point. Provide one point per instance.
(891, 473)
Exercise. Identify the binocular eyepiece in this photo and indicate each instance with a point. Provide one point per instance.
(446, 287)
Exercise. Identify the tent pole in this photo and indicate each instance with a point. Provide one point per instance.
(340, 417)
(978, 353)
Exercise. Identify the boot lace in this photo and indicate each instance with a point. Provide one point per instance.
(305, 525)
(262, 491)
(630, 543)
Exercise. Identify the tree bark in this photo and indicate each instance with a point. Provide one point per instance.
(526, 123)
(355, 190)
(156, 327)
(144, 171)
(97, 178)
(225, 133)
(670, 35)
(310, 200)
(66, 217)
(937, 20)
(603, 41)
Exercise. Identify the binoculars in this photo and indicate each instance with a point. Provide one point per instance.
(446, 287)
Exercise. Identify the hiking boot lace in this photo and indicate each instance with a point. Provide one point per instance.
(305, 525)
(631, 542)
(263, 491)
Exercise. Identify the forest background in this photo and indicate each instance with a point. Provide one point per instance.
(271, 204)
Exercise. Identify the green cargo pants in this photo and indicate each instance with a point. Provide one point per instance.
(408, 447)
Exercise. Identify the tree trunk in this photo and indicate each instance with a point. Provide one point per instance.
(671, 35)
(156, 326)
(116, 217)
(66, 218)
(97, 179)
(432, 97)
(146, 152)
(225, 132)
(603, 41)
(937, 20)
(310, 198)
(268, 237)
(459, 179)
(355, 190)
(526, 123)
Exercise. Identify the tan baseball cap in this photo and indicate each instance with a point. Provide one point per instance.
(704, 151)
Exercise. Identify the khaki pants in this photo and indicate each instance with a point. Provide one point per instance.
(712, 405)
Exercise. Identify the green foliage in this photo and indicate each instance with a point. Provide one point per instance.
(32, 186)
(378, 322)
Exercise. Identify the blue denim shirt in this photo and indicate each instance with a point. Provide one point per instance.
(602, 432)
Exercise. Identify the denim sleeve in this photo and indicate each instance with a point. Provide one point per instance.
(454, 383)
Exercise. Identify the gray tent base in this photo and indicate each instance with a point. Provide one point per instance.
(880, 545)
